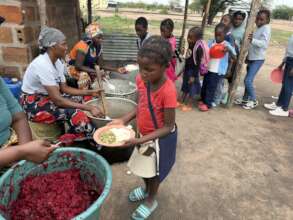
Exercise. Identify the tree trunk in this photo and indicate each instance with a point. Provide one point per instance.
(255, 5)
(206, 14)
(184, 24)
(89, 11)
(211, 19)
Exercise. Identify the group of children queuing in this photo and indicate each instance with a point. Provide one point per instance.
(155, 112)
(215, 61)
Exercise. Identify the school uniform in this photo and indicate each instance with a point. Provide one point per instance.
(217, 70)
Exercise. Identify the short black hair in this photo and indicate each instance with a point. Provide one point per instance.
(221, 26)
(266, 12)
(239, 13)
(167, 23)
(157, 49)
(1, 20)
(197, 31)
(142, 21)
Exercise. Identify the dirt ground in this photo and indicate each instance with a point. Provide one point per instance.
(231, 164)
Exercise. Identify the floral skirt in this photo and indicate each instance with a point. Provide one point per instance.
(41, 109)
(83, 79)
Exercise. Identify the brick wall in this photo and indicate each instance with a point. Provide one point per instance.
(18, 36)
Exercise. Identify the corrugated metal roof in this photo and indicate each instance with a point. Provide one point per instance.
(120, 47)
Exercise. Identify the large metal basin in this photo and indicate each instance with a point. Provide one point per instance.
(116, 107)
(123, 89)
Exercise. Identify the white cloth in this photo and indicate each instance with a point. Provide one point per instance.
(41, 72)
(260, 43)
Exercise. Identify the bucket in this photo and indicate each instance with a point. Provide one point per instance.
(14, 86)
(62, 159)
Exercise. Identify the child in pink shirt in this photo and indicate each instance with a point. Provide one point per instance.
(167, 27)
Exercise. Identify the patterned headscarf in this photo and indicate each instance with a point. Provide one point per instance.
(93, 30)
(50, 37)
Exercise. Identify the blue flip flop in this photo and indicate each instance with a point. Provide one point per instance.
(143, 212)
(138, 194)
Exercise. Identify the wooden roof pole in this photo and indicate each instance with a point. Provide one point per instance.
(206, 14)
(78, 18)
(255, 6)
(89, 11)
(184, 24)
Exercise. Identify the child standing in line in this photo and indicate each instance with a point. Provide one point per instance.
(281, 107)
(155, 116)
(196, 64)
(221, 95)
(227, 21)
(167, 27)
(141, 29)
(239, 24)
(260, 40)
(218, 65)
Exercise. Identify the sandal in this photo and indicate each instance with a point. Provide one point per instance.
(138, 194)
(179, 105)
(143, 212)
(203, 108)
(186, 108)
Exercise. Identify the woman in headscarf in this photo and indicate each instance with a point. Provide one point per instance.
(45, 96)
(86, 54)
(14, 129)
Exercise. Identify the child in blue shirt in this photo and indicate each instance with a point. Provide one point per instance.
(217, 68)
(221, 95)
(259, 42)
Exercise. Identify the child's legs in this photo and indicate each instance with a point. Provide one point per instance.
(146, 185)
(219, 91)
(252, 70)
(153, 186)
(184, 97)
(204, 87)
(185, 85)
(212, 84)
(287, 88)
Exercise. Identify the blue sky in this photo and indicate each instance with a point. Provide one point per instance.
(275, 2)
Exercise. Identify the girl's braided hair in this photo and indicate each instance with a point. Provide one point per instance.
(157, 49)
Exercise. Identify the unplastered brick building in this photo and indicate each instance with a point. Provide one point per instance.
(24, 19)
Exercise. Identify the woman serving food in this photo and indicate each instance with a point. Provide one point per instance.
(46, 98)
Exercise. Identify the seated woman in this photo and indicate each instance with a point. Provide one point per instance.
(14, 127)
(15, 130)
(85, 55)
(45, 96)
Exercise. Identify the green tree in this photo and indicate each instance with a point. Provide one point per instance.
(195, 5)
(216, 6)
(174, 3)
(283, 12)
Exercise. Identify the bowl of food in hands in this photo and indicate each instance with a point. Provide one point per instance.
(113, 135)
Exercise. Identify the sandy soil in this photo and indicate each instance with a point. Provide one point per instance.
(231, 164)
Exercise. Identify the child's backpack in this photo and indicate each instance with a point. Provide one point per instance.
(203, 68)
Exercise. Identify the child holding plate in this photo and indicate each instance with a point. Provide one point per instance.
(155, 153)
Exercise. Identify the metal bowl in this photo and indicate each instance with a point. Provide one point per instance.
(116, 107)
(123, 89)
